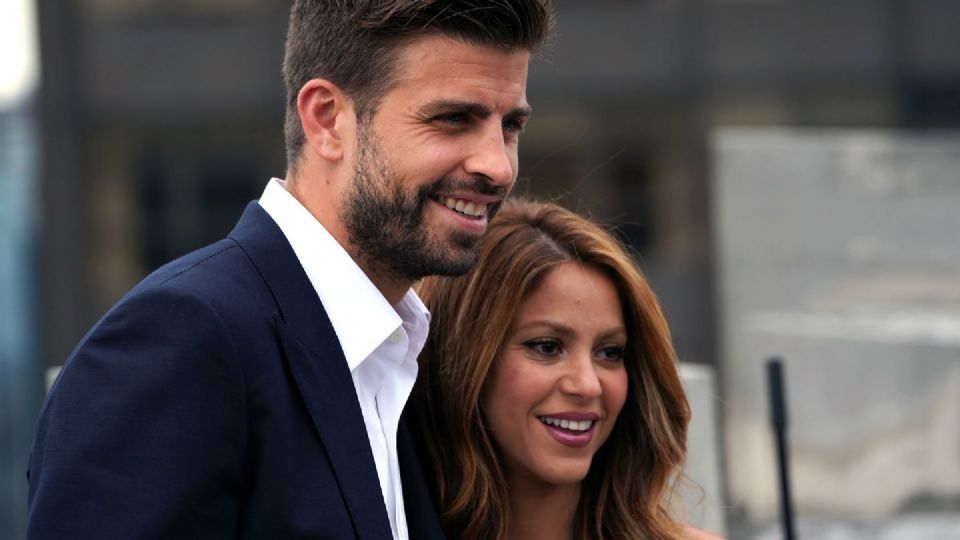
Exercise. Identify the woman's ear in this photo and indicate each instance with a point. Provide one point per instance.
(324, 111)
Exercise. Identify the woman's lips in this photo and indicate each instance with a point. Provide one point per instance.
(575, 430)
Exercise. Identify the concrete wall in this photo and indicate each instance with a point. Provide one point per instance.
(704, 497)
(838, 251)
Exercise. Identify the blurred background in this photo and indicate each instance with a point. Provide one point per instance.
(788, 173)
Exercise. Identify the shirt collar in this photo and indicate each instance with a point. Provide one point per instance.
(359, 313)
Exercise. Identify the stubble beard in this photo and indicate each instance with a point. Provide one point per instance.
(385, 223)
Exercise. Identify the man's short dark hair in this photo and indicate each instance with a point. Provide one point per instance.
(353, 43)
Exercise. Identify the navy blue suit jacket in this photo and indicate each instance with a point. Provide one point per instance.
(214, 401)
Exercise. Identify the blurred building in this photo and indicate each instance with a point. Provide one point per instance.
(160, 121)
(162, 118)
(21, 382)
(837, 251)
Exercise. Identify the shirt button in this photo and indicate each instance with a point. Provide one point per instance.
(396, 337)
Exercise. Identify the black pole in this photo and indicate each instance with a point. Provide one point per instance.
(778, 417)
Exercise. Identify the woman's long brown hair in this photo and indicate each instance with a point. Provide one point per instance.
(627, 492)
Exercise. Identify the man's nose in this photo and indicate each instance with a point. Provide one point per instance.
(492, 157)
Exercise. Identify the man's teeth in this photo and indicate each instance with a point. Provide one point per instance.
(572, 425)
(467, 208)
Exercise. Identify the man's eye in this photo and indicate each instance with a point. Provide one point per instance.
(453, 118)
(546, 347)
(514, 125)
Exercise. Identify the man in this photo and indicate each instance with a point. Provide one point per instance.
(253, 389)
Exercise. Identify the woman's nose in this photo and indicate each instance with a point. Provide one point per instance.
(581, 379)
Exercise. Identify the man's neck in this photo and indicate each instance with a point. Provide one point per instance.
(323, 208)
(393, 289)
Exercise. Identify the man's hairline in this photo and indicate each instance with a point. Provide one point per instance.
(370, 108)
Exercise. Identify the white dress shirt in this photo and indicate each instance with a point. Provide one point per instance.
(380, 342)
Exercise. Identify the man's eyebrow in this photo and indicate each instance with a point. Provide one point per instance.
(520, 112)
(441, 106)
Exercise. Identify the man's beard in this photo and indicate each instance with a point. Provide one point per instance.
(386, 226)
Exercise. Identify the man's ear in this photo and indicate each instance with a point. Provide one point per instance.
(325, 114)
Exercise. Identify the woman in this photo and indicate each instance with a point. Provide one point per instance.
(548, 403)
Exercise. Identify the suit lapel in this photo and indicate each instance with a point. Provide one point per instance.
(319, 368)
(331, 399)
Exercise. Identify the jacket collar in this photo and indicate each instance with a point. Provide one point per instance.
(319, 369)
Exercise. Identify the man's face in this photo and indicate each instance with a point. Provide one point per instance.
(437, 158)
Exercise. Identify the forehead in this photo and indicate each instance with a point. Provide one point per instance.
(582, 293)
(436, 67)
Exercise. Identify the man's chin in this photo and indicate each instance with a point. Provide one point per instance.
(456, 259)
(452, 267)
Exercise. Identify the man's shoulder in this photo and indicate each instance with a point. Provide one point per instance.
(208, 299)
(219, 275)
(218, 267)
(200, 265)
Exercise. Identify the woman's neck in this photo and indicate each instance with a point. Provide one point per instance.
(542, 512)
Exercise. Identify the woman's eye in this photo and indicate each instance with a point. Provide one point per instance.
(546, 347)
(612, 353)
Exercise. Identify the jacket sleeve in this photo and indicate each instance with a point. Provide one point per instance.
(143, 434)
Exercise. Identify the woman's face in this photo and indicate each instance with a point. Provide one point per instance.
(560, 381)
